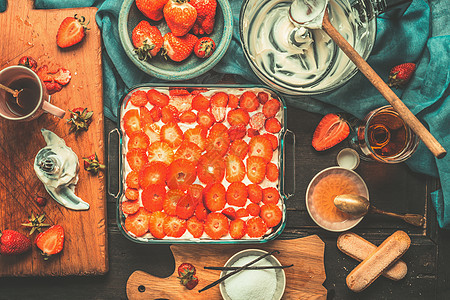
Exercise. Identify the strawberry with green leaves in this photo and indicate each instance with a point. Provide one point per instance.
(13, 242)
(401, 74)
(71, 31)
(178, 48)
(204, 47)
(147, 40)
(180, 16)
(206, 12)
(186, 274)
(92, 164)
(28, 62)
(80, 119)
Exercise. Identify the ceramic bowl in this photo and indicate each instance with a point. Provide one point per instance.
(191, 67)
(279, 273)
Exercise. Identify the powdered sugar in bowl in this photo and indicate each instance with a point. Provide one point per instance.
(253, 284)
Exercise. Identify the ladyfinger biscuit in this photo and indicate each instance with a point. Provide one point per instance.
(358, 248)
(378, 261)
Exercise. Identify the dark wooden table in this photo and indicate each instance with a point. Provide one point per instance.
(391, 187)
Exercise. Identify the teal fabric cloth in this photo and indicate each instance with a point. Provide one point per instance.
(420, 35)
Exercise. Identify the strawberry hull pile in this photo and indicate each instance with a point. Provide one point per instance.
(201, 164)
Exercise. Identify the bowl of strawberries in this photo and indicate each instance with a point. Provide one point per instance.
(175, 39)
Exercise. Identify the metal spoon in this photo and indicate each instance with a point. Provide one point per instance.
(359, 206)
(15, 93)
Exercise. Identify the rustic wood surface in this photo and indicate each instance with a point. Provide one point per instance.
(303, 280)
(33, 32)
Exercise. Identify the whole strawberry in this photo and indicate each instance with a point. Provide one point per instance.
(28, 62)
(180, 16)
(71, 31)
(91, 164)
(147, 40)
(186, 274)
(401, 74)
(80, 119)
(178, 48)
(152, 9)
(206, 12)
(204, 47)
(13, 243)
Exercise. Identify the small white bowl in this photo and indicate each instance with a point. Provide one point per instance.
(348, 158)
(279, 273)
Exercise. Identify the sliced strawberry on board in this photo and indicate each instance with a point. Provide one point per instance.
(237, 132)
(170, 203)
(239, 148)
(272, 125)
(200, 102)
(172, 134)
(260, 146)
(237, 194)
(215, 197)
(218, 142)
(170, 114)
(271, 214)
(138, 223)
(211, 168)
(185, 207)
(271, 108)
(153, 173)
(195, 227)
(253, 209)
(332, 130)
(131, 121)
(131, 194)
(235, 168)
(256, 169)
(138, 140)
(230, 213)
(216, 225)
(238, 116)
(174, 226)
(205, 119)
(197, 136)
(249, 101)
(156, 224)
(189, 151)
(71, 31)
(201, 212)
(237, 229)
(62, 76)
(160, 151)
(270, 195)
(255, 193)
(256, 227)
(153, 197)
(273, 140)
(138, 98)
(130, 207)
(157, 98)
(51, 241)
(136, 158)
(181, 174)
(272, 172)
(132, 180)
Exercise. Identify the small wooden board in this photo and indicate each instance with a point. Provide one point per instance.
(303, 280)
(27, 31)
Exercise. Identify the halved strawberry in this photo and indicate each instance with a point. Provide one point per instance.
(155, 112)
(218, 142)
(260, 146)
(205, 119)
(237, 132)
(172, 135)
(145, 117)
(181, 174)
(185, 207)
(201, 212)
(253, 209)
(137, 223)
(272, 125)
(157, 98)
(270, 195)
(62, 76)
(136, 158)
(170, 203)
(241, 213)
(239, 148)
(138, 98)
(195, 191)
(256, 227)
(71, 31)
(138, 140)
(188, 117)
(256, 169)
(271, 214)
(257, 121)
(235, 168)
(156, 224)
(160, 151)
(252, 132)
(233, 101)
(132, 180)
(189, 151)
(230, 213)
(170, 114)
(214, 197)
(200, 102)
(153, 131)
(273, 140)
(153, 173)
(249, 101)
(263, 97)
(211, 168)
(255, 193)
(331, 130)
(51, 241)
(197, 136)
(272, 172)
(131, 121)
(153, 197)
(271, 108)
(237, 229)
(237, 194)
(130, 207)
(195, 227)
(174, 226)
(238, 116)
(131, 194)
(216, 225)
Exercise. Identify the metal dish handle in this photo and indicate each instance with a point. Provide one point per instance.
(291, 192)
(115, 130)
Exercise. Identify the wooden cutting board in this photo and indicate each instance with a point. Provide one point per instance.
(303, 280)
(27, 31)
